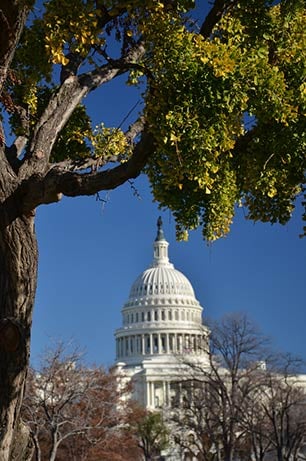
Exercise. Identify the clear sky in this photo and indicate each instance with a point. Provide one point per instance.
(92, 251)
(90, 255)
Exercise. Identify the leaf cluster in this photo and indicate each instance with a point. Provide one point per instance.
(226, 112)
(228, 116)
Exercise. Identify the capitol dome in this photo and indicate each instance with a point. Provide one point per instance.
(162, 315)
(161, 279)
(161, 324)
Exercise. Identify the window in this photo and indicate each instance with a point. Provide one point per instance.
(155, 343)
(148, 345)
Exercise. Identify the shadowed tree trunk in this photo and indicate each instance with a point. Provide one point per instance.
(18, 275)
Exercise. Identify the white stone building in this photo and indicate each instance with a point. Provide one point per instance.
(161, 333)
(161, 321)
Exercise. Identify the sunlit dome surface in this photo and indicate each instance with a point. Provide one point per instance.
(161, 281)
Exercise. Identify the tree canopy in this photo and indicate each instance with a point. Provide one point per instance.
(223, 120)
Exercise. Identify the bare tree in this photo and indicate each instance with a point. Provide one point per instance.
(248, 402)
(66, 401)
(220, 389)
(284, 405)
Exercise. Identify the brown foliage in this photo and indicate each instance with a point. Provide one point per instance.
(79, 413)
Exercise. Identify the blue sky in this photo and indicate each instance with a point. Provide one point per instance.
(91, 252)
(90, 255)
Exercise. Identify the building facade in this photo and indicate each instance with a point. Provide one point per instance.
(161, 322)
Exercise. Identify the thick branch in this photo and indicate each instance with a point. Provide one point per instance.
(13, 16)
(61, 106)
(40, 189)
(213, 17)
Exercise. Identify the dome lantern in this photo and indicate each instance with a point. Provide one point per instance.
(161, 247)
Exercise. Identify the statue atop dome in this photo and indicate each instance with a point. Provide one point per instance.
(160, 232)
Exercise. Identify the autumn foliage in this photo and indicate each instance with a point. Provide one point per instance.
(79, 413)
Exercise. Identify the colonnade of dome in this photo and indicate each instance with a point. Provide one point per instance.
(131, 345)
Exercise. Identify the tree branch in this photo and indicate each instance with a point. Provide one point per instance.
(96, 162)
(214, 16)
(13, 15)
(40, 189)
(61, 106)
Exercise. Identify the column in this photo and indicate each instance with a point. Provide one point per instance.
(152, 394)
(180, 340)
(143, 350)
(168, 393)
(167, 343)
(148, 402)
(164, 393)
(160, 347)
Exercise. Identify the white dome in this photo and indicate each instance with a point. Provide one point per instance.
(161, 316)
(164, 280)
(161, 284)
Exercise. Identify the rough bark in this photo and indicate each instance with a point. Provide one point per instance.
(13, 15)
(18, 274)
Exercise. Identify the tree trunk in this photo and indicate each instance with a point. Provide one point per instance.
(18, 276)
(37, 451)
(54, 445)
(279, 454)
